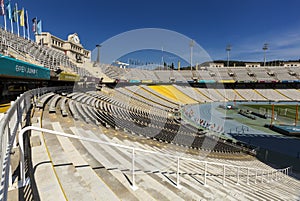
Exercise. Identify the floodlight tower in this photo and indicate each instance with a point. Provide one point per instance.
(162, 58)
(98, 53)
(192, 44)
(228, 49)
(265, 48)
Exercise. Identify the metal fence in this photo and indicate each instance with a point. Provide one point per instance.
(10, 125)
(223, 171)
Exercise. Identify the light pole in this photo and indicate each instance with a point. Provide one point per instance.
(228, 49)
(192, 43)
(265, 48)
(162, 58)
(98, 53)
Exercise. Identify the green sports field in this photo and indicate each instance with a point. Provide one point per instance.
(285, 112)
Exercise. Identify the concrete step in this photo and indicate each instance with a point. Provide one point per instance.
(115, 179)
(159, 186)
(45, 176)
(88, 178)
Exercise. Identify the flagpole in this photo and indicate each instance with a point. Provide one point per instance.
(2, 5)
(8, 7)
(11, 25)
(24, 35)
(4, 16)
(28, 34)
(18, 28)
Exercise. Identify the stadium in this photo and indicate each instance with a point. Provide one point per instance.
(74, 127)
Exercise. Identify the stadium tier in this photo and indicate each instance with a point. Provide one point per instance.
(207, 75)
(31, 52)
(132, 148)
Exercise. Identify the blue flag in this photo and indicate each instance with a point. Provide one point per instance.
(15, 14)
(39, 27)
(8, 10)
(26, 19)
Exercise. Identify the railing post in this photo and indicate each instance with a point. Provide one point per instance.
(178, 167)
(262, 176)
(22, 160)
(8, 133)
(224, 174)
(286, 171)
(10, 182)
(19, 122)
(205, 170)
(133, 167)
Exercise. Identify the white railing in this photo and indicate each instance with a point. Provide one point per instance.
(10, 124)
(269, 174)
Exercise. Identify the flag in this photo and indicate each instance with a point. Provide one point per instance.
(39, 27)
(22, 20)
(26, 19)
(34, 25)
(8, 10)
(15, 14)
(2, 9)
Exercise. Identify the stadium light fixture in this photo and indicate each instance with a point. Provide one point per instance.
(265, 48)
(228, 49)
(98, 53)
(162, 59)
(192, 44)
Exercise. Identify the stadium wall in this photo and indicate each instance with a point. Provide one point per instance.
(10, 67)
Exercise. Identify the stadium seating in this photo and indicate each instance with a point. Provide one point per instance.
(250, 94)
(236, 74)
(292, 94)
(272, 94)
(79, 165)
(137, 119)
(32, 52)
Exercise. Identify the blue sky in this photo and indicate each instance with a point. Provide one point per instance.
(245, 24)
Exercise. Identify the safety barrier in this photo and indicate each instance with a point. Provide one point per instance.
(265, 175)
(10, 124)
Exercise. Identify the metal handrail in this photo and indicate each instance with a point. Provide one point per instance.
(10, 124)
(134, 150)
